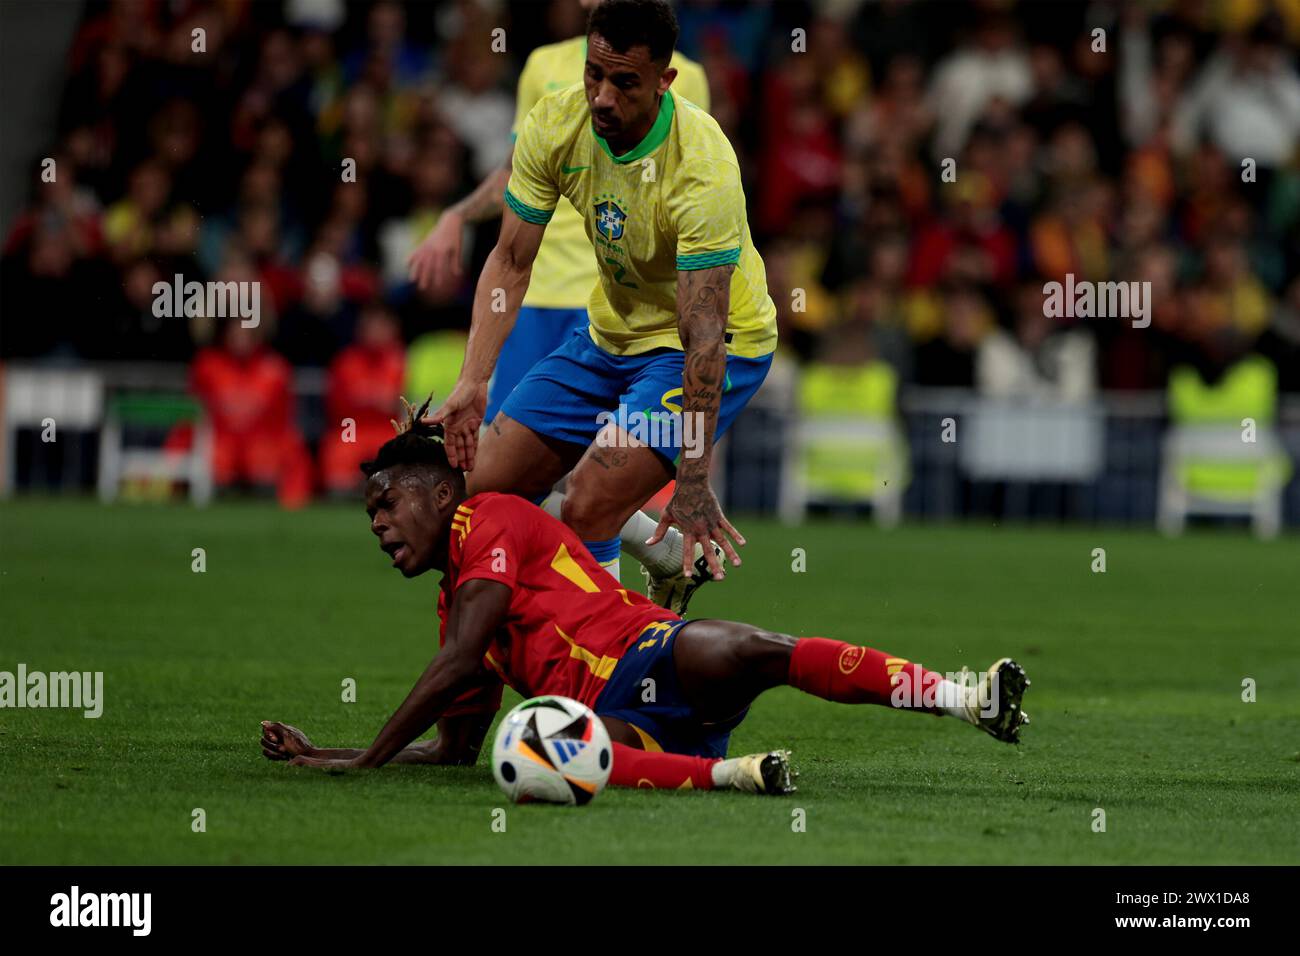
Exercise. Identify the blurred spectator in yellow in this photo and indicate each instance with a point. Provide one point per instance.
(1230, 295)
(130, 223)
(1070, 238)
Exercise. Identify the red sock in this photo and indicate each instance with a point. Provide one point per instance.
(660, 771)
(849, 674)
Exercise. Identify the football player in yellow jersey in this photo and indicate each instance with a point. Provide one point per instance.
(564, 273)
(682, 329)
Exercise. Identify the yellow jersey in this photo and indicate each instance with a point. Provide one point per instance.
(673, 202)
(564, 271)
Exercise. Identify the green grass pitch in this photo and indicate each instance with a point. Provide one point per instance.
(1136, 700)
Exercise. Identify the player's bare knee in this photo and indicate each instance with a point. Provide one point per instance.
(583, 510)
(573, 510)
(765, 651)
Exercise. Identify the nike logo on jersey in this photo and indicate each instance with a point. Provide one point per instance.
(573, 169)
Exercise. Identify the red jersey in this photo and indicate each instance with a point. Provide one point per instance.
(569, 622)
(244, 395)
(363, 384)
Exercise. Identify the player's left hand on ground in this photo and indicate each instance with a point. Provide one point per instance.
(695, 510)
(461, 416)
(282, 742)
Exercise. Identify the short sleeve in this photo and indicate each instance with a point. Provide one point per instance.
(488, 545)
(532, 191)
(708, 213)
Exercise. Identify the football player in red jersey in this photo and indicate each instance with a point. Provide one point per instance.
(523, 603)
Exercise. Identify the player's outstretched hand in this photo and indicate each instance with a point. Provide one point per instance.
(461, 416)
(282, 742)
(695, 510)
(435, 265)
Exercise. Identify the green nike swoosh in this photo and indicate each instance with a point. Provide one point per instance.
(573, 169)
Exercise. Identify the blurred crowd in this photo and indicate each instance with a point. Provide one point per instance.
(915, 172)
(1156, 143)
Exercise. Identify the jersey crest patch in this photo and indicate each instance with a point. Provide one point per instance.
(610, 219)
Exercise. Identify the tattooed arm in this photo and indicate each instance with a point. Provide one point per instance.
(703, 302)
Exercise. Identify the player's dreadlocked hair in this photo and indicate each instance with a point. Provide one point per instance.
(628, 23)
(416, 444)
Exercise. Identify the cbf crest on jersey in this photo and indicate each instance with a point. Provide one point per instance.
(609, 218)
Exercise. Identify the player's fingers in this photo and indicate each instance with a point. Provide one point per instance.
(451, 443)
(270, 754)
(727, 527)
(428, 270)
(689, 541)
(415, 267)
(450, 262)
(661, 529)
(726, 546)
(467, 450)
(440, 271)
(471, 448)
(711, 558)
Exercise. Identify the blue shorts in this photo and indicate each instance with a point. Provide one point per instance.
(579, 388)
(537, 333)
(667, 719)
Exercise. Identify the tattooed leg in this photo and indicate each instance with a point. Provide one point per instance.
(616, 475)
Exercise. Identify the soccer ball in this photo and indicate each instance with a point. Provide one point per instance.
(553, 750)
